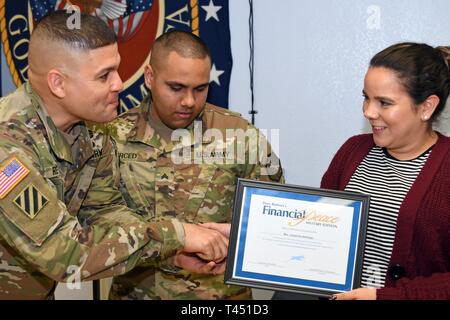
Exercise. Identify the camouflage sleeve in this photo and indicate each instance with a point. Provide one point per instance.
(39, 227)
(262, 163)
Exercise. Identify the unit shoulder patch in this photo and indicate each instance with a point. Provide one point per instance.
(32, 206)
(30, 201)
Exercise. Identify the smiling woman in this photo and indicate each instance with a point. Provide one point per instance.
(398, 124)
(405, 167)
(405, 87)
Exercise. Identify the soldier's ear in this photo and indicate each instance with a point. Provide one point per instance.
(56, 83)
(148, 76)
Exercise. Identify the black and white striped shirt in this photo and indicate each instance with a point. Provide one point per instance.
(387, 180)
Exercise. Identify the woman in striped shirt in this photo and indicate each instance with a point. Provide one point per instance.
(405, 167)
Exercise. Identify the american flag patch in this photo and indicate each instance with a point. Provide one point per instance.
(10, 175)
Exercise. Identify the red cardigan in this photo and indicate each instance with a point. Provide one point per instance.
(422, 239)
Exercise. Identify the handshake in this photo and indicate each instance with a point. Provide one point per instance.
(205, 249)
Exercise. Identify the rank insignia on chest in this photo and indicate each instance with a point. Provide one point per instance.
(30, 201)
(10, 175)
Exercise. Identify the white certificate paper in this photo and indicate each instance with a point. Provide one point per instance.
(295, 238)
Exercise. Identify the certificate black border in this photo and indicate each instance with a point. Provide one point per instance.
(236, 220)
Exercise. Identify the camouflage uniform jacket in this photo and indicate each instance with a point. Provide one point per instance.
(62, 217)
(159, 187)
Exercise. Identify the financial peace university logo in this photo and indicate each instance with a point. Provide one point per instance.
(136, 23)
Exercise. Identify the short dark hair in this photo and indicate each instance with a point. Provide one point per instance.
(93, 32)
(422, 69)
(186, 44)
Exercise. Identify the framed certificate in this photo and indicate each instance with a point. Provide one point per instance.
(298, 239)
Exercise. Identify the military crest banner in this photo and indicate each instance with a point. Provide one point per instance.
(136, 23)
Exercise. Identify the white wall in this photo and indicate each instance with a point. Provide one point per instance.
(310, 60)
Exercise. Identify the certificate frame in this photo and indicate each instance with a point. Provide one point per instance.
(300, 232)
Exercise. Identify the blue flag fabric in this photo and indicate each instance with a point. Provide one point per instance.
(137, 6)
(42, 7)
(215, 31)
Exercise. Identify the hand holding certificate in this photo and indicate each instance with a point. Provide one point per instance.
(298, 239)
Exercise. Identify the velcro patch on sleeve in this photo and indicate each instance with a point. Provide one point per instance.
(30, 201)
(11, 173)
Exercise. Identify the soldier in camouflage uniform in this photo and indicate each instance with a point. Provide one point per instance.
(62, 217)
(192, 177)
